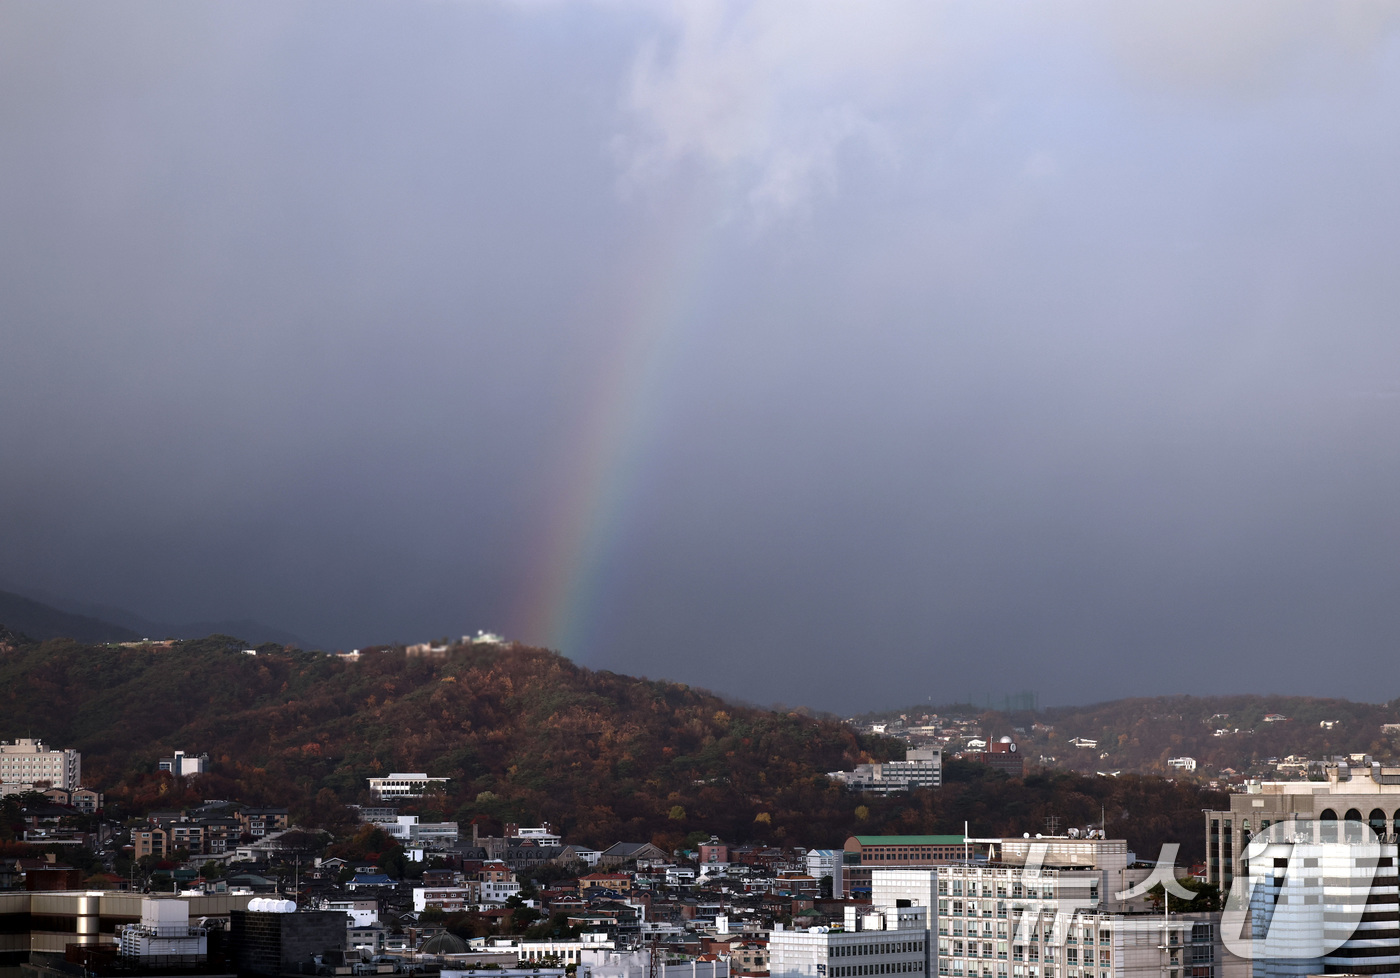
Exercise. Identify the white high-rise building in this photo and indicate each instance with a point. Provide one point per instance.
(1321, 898)
(1049, 909)
(909, 888)
(28, 761)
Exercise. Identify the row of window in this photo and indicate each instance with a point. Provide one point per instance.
(975, 908)
(887, 968)
(865, 950)
(955, 968)
(956, 888)
(1073, 937)
(1019, 952)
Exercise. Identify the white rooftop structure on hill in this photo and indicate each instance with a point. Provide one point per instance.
(404, 785)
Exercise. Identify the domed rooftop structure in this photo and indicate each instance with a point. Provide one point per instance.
(443, 943)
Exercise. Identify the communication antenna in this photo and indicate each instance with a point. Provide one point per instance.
(1052, 825)
(653, 961)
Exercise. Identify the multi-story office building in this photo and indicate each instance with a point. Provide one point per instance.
(878, 941)
(28, 761)
(1361, 792)
(866, 853)
(1030, 921)
(1321, 898)
(921, 768)
(910, 888)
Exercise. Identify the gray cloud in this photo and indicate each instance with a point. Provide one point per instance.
(1043, 348)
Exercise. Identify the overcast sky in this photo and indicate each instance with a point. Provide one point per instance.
(839, 354)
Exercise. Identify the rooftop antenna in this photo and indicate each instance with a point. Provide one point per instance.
(653, 963)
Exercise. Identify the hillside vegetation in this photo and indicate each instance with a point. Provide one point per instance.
(1221, 732)
(1140, 734)
(525, 735)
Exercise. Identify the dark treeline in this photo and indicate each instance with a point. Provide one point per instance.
(526, 736)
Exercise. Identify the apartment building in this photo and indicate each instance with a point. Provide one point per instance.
(258, 822)
(205, 836)
(447, 898)
(27, 761)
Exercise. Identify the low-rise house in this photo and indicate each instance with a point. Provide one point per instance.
(526, 855)
(612, 882)
(641, 853)
(578, 854)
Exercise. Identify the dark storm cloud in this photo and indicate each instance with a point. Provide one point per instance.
(1046, 350)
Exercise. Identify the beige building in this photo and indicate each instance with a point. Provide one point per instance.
(1033, 921)
(1315, 872)
(1361, 791)
(28, 761)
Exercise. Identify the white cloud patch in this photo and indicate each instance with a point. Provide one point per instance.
(774, 96)
(768, 94)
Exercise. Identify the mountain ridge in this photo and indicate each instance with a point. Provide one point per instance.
(45, 616)
(526, 736)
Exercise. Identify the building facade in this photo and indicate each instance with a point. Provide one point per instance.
(1322, 898)
(405, 785)
(182, 764)
(874, 941)
(28, 761)
(866, 853)
(922, 767)
(1361, 792)
(1027, 921)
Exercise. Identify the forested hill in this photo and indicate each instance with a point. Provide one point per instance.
(525, 735)
(1229, 736)
(1246, 734)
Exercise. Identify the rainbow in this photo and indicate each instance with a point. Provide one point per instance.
(571, 571)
